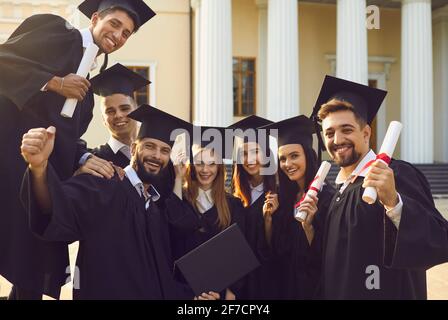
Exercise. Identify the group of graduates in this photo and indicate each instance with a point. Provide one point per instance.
(144, 199)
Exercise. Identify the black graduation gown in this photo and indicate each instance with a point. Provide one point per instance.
(105, 152)
(300, 263)
(124, 250)
(41, 47)
(262, 283)
(189, 228)
(359, 235)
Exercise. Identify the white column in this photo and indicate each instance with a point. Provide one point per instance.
(215, 105)
(351, 49)
(283, 60)
(196, 6)
(262, 56)
(416, 82)
(440, 25)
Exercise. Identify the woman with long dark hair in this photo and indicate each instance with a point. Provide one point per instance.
(298, 243)
(199, 207)
(255, 185)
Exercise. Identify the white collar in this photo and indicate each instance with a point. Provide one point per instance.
(87, 39)
(259, 188)
(207, 194)
(368, 157)
(116, 145)
(138, 184)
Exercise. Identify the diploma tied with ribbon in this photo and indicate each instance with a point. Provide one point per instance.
(313, 189)
(385, 155)
(83, 70)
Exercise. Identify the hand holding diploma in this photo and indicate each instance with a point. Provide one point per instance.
(83, 70)
(313, 190)
(378, 177)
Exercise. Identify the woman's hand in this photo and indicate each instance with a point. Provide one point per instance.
(270, 204)
(208, 296)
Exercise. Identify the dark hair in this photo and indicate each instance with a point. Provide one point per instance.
(288, 189)
(335, 105)
(131, 15)
(240, 183)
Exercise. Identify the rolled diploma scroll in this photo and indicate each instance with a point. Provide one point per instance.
(83, 70)
(316, 185)
(388, 147)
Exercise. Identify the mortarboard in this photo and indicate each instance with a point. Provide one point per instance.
(365, 100)
(157, 124)
(117, 79)
(219, 262)
(295, 130)
(140, 12)
(252, 124)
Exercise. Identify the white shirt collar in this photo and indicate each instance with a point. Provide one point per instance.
(204, 200)
(256, 192)
(368, 157)
(138, 184)
(87, 39)
(116, 146)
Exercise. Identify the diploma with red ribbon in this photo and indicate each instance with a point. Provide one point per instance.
(313, 189)
(385, 155)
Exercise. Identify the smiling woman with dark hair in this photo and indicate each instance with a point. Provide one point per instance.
(298, 244)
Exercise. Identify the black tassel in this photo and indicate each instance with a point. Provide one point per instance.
(106, 60)
(321, 145)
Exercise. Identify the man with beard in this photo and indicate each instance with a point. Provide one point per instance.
(124, 250)
(378, 251)
(37, 66)
(116, 86)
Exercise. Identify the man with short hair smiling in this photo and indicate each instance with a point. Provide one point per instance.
(37, 66)
(124, 250)
(378, 251)
(116, 87)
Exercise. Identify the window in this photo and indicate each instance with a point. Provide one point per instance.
(141, 96)
(244, 86)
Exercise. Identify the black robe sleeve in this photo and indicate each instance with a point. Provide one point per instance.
(24, 67)
(421, 240)
(78, 206)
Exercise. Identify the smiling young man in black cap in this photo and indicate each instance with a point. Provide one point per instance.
(124, 241)
(38, 64)
(116, 86)
(378, 251)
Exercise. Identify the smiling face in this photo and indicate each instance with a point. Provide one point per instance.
(292, 161)
(206, 168)
(115, 109)
(346, 139)
(111, 30)
(251, 158)
(149, 157)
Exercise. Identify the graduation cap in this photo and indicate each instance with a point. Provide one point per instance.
(252, 124)
(295, 130)
(139, 11)
(219, 262)
(117, 79)
(157, 124)
(364, 99)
